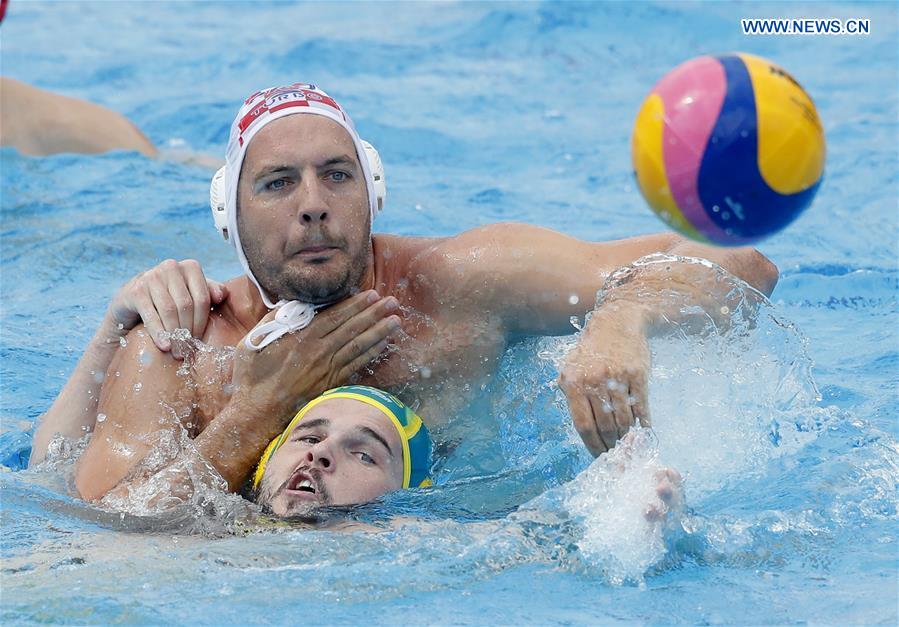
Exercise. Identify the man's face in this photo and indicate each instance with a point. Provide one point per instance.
(342, 452)
(303, 213)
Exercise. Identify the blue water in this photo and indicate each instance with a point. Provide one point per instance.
(482, 113)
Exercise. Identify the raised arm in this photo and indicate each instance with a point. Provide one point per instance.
(169, 296)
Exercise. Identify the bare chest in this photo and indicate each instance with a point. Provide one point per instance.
(437, 365)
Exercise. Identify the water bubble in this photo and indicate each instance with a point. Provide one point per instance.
(137, 387)
(101, 417)
(144, 358)
(573, 299)
(123, 342)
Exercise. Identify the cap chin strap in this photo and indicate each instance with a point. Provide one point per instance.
(291, 315)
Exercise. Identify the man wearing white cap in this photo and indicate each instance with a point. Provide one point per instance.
(297, 198)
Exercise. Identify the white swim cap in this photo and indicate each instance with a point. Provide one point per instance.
(261, 108)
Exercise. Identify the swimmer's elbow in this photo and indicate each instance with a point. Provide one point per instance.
(97, 474)
(86, 483)
(765, 273)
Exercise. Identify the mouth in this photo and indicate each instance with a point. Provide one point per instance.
(303, 487)
(313, 253)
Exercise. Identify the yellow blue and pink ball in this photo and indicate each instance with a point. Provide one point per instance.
(728, 149)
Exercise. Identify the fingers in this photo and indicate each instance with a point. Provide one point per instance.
(184, 304)
(362, 360)
(327, 321)
(604, 421)
(622, 413)
(198, 294)
(366, 320)
(162, 302)
(152, 322)
(637, 398)
(585, 423)
(669, 493)
(170, 296)
(218, 292)
(358, 344)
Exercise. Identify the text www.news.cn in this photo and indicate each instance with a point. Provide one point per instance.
(805, 26)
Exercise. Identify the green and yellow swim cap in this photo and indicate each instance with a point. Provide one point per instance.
(412, 431)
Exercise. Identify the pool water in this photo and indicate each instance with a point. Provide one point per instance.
(785, 429)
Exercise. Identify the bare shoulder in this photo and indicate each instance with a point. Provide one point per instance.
(138, 360)
(232, 319)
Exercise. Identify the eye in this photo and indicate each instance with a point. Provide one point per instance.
(309, 439)
(365, 458)
(338, 176)
(276, 185)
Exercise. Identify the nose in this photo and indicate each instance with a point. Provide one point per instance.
(319, 456)
(313, 208)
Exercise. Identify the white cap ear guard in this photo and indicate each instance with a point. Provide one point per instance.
(217, 202)
(217, 190)
(377, 174)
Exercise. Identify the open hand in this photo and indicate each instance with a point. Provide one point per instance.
(301, 365)
(605, 381)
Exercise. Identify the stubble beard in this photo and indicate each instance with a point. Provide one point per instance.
(317, 284)
(267, 494)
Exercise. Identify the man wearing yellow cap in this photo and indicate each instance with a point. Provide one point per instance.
(349, 445)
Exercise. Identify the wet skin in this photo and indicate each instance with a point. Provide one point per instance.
(304, 222)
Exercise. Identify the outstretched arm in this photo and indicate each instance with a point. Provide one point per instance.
(536, 280)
